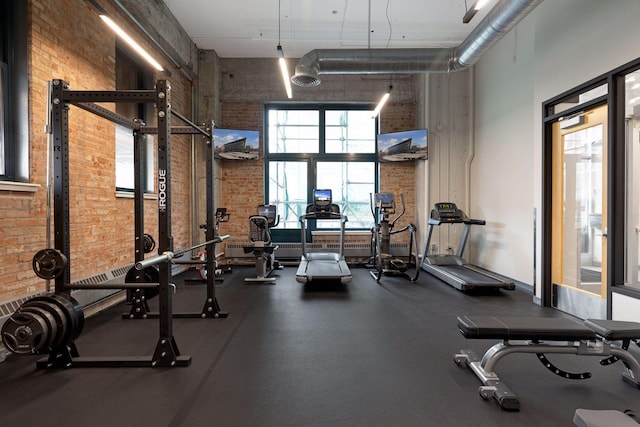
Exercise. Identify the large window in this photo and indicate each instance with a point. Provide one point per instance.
(131, 75)
(330, 147)
(14, 125)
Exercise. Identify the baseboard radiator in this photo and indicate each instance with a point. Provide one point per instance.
(234, 252)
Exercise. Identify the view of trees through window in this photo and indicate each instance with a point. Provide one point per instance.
(321, 147)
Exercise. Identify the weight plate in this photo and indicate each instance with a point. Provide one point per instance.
(57, 313)
(149, 243)
(148, 275)
(73, 311)
(25, 333)
(49, 263)
(52, 327)
(72, 316)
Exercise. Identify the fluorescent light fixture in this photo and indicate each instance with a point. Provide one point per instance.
(471, 12)
(381, 103)
(284, 71)
(131, 42)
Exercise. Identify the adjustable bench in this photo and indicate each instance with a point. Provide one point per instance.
(603, 418)
(604, 338)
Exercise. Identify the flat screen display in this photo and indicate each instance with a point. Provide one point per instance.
(322, 198)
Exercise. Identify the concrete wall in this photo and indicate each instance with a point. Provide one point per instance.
(450, 154)
(557, 47)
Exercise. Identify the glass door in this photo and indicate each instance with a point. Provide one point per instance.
(632, 181)
(579, 213)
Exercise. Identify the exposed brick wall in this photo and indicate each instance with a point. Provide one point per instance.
(68, 41)
(242, 181)
(399, 177)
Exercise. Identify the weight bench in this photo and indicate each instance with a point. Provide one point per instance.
(605, 338)
(603, 418)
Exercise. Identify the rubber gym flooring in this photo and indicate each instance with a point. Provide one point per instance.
(367, 354)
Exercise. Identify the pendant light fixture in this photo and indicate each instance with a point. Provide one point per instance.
(282, 62)
(382, 101)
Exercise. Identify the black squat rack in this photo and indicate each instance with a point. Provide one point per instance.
(50, 323)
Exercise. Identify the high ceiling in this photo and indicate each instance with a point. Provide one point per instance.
(252, 28)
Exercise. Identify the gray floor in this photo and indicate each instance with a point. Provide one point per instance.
(367, 354)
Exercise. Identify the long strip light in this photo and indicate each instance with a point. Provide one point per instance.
(131, 42)
(471, 12)
(381, 103)
(285, 71)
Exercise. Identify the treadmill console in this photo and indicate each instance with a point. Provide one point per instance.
(322, 199)
(447, 212)
(322, 206)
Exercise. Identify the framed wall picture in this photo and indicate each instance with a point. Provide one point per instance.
(236, 144)
(403, 146)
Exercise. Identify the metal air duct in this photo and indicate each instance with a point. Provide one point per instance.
(498, 22)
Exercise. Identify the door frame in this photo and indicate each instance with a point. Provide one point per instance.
(551, 115)
(568, 292)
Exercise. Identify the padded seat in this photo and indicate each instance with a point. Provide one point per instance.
(613, 330)
(524, 328)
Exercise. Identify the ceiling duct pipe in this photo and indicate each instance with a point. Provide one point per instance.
(498, 22)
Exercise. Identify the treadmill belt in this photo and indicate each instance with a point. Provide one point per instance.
(465, 278)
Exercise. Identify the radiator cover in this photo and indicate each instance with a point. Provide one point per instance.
(294, 250)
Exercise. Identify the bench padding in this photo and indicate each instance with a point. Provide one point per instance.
(602, 418)
(613, 330)
(524, 328)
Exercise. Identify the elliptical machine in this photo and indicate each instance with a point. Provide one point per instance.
(383, 205)
(261, 245)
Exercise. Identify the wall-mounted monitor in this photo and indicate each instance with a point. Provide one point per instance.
(236, 144)
(403, 146)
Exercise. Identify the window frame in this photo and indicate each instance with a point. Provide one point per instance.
(312, 159)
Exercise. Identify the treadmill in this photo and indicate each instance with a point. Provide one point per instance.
(323, 265)
(453, 269)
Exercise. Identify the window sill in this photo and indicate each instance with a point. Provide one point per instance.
(337, 233)
(130, 195)
(18, 187)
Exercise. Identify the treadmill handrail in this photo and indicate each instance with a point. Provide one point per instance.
(323, 215)
(471, 221)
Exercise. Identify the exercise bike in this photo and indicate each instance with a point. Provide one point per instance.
(261, 246)
(383, 205)
(221, 216)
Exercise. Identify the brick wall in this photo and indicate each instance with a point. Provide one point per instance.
(67, 40)
(242, 181)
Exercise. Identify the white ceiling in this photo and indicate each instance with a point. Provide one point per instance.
(252, 28)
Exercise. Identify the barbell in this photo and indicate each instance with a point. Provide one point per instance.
(169, 255)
